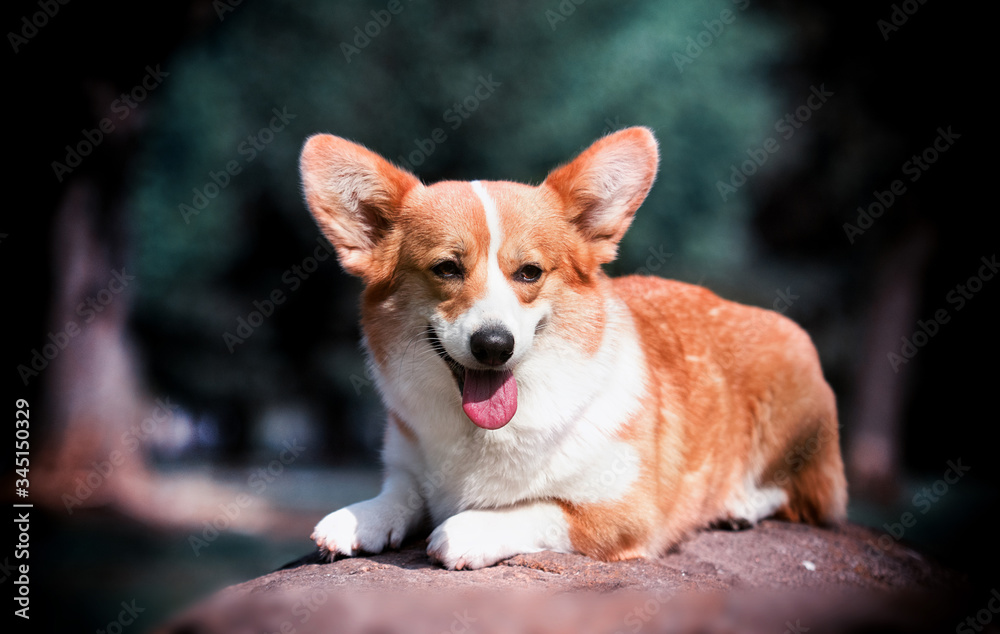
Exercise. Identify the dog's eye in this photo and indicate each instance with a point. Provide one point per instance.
(447, 270)
(528, 273)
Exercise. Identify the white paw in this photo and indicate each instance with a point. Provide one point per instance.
(363, 527)
(470, 540)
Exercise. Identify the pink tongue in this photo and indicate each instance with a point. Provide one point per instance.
(489, 398)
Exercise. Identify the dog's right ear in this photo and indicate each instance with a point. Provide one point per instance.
(352, 192)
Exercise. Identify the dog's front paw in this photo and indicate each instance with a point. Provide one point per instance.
(363, 527)
(469, 540)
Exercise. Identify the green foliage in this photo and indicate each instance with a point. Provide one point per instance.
(608, 65)
(562, 84)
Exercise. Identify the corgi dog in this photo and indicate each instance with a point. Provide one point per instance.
(533, 402)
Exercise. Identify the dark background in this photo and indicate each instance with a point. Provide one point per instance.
(567, 74)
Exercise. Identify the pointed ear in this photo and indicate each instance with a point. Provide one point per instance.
(352, 193)
(602, 187)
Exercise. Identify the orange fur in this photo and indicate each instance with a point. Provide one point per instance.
(705, 423)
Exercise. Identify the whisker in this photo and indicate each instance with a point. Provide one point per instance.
(413, 340)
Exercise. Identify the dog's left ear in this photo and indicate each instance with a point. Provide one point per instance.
(602, 187)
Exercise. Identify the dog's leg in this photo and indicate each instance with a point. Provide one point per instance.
(370, 526)
(478, 538)
(386, 519)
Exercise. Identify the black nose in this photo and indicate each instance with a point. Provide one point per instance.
(492, 345)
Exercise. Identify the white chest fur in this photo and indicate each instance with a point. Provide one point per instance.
(560, 443)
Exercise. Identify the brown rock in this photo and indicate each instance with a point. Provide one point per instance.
(776, 577)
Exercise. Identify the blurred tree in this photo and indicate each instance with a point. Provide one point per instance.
(76, 358)
(513, 89)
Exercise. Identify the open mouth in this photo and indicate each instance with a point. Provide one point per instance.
(457, 369)
(489, 397)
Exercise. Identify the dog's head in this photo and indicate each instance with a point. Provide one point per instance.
(477, 272)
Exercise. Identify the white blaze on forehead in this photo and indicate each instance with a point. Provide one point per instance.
(492, 219)
(500, 303)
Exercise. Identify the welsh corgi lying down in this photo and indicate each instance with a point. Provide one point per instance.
(533, 402)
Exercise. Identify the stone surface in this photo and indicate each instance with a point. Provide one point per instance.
(839, 578)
